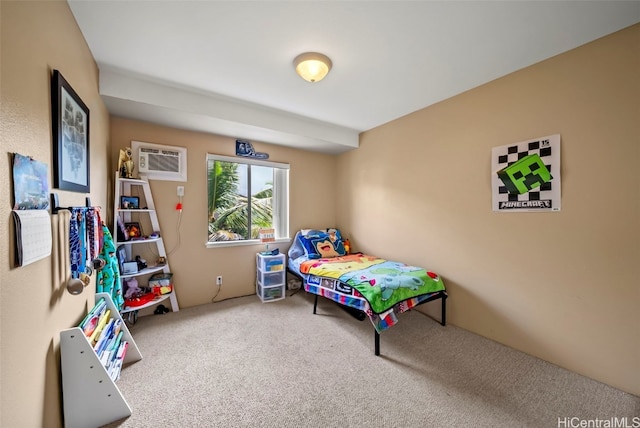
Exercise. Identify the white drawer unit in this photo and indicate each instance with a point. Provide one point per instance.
(271, 277)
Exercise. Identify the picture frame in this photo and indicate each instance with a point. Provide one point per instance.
(70, 126)
(133, 230)
(129, 202)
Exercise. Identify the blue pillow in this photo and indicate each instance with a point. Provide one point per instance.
(307, 244)
(319, 244)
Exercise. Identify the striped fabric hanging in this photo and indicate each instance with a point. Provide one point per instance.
(76, 230)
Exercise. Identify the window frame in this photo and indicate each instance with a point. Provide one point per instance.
(280, 199)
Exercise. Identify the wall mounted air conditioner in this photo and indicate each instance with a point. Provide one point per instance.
(159, 162)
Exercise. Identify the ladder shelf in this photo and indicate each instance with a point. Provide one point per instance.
(124, 187)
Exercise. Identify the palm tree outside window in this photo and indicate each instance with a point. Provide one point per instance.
(244, 196)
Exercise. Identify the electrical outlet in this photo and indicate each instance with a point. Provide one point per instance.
(180, 190)
(219, 280)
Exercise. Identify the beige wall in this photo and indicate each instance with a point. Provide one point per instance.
(561, 286)
(565, 291)
(194, 266)
(36, 38)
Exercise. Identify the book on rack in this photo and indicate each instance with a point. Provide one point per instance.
(115, 366)
(90, 322)
(116, 343)
(114, 370)
(105, 335)
(98, 306)
(107, 349)
(102, 321)
(122, 350)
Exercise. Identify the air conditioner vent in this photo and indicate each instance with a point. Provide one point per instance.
(161, 162)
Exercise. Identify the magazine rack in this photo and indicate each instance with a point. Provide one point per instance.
(90, 397)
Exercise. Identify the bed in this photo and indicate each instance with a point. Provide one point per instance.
(365, 286)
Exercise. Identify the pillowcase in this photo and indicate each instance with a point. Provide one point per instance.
(307, 244)
(322, 244)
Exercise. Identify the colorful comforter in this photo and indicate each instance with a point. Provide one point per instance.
(383, 284)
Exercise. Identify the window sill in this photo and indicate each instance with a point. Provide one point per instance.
(222, 244)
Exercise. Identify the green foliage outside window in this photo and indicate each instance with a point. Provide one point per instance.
(239, 204)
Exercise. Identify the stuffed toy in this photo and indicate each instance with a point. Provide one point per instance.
(133, 290)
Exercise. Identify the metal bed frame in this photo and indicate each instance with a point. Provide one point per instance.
(360, 315)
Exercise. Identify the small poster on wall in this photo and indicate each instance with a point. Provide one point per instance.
(525, 176)
(31, 218)
(30, 183)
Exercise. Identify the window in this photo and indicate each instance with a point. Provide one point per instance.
(244, 196)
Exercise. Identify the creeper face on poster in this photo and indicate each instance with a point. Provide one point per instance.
(525, 174)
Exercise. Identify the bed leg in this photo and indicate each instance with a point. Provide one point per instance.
(377, 342)
(315, 304)
(444, 311)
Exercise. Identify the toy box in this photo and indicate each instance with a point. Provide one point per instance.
(161, 283)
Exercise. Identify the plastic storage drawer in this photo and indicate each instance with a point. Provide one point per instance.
(268, 294)
(271, 278)
(270, 263)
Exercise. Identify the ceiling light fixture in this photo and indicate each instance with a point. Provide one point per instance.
(312, 66)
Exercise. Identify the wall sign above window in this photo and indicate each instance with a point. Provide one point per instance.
(245, 149)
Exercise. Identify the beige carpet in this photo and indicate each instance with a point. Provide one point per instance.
(242, 363)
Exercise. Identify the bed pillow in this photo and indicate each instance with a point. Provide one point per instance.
(306, 240)
(338, 241)
(321, 244)
(296, 250)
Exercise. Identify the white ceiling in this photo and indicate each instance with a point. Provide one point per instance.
(225, 67)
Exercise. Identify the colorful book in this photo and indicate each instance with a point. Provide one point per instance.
(104, 337)
(114, 370)
(101, 323)
(114, 347)
(96, 309)
(90, 322)
(122, 350)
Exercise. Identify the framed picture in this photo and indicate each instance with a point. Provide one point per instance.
(133, 230)
(70, 119)
(129, 202)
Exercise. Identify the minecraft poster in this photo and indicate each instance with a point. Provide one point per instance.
(525, 176)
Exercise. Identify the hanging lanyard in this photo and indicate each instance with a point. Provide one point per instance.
(75, 252)
(93, 237)
(83, 241)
